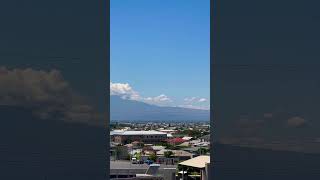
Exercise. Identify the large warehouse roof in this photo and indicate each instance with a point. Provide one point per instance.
(131, 133)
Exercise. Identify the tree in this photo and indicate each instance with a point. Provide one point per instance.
(121, 152)
(153, 157)
(138, 155)
(168, 154)
(202, 151)
(141, 144)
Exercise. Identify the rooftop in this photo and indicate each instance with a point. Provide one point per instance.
(128, 165)
(176, 140)
(187, 138)
(130, 133)
(197, 162)
(205, 137)
(158, 148)
(175, 152)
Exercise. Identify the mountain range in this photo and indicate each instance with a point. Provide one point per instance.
(123, 109)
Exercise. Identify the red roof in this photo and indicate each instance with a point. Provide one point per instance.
(176, 140)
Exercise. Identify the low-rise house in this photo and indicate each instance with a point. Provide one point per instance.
(171, 131)
(175, 141)
(187, 138)
(192, 150)
(202, 163)
(158, 148)
(177, 155)
(137, 144)
(202, 144)
(184, 144)
(169, 136)
(196, 151)
(205, 138)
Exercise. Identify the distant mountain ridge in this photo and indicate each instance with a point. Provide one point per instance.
(122, 109)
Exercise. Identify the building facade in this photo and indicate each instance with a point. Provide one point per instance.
(147, 137)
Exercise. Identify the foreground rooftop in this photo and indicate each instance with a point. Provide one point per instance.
(128, 165)
(197, 162)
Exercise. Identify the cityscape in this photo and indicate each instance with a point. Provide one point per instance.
(159, 150)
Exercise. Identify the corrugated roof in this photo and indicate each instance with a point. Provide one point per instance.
(198, 162)
(184, 144)
(187, 138)
(175, 140)
(158, 148)
(175, 152)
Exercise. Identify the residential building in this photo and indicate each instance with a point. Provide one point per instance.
(178, 155)
(202, 163)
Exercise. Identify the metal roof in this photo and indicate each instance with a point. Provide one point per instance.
(131, 133)
(197, 162)
(177, 153)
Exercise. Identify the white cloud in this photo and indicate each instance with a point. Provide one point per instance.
(120, 88)
(158, 100)
(162, 98)
(125, 91)
(190, 106)
(202, 100)
(190, 99)
(195, 103)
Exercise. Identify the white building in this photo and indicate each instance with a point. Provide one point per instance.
(125, 137)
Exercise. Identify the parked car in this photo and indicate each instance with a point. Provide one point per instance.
(134, 161)
(148, 162)
(140, 162)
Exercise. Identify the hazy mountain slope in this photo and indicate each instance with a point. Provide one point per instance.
(122, 109)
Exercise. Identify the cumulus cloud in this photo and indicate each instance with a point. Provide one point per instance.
(46, 93)
(190, 100)
(202, 100)
(161, 100)
(296, 122)
(162, 97)
(125, 91)
(190, 106)
(195, 103)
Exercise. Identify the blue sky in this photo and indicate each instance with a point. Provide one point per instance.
(161, 47)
